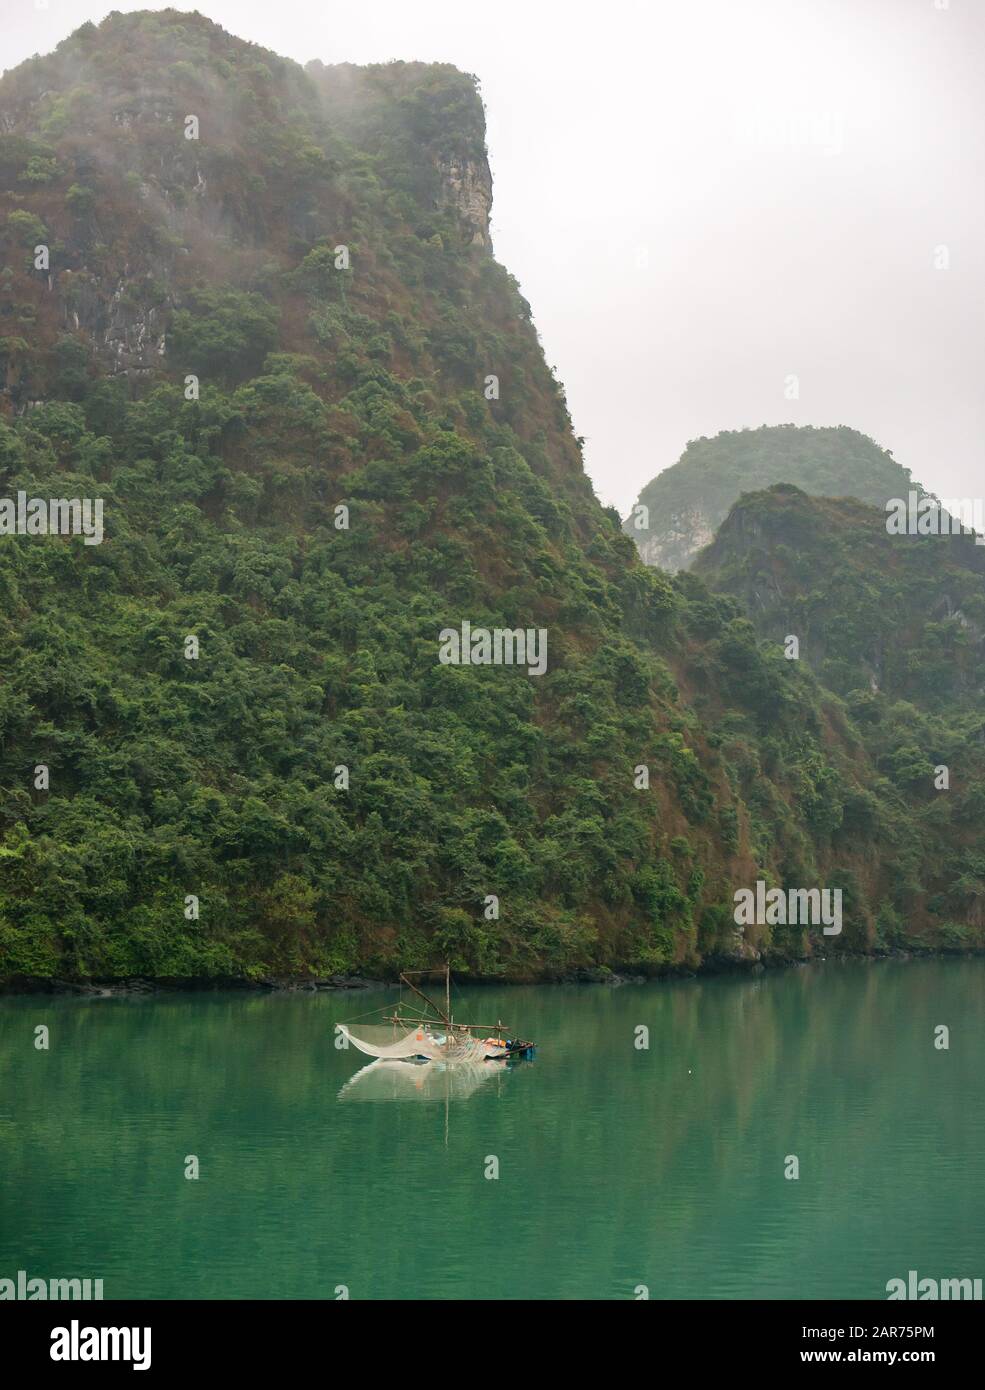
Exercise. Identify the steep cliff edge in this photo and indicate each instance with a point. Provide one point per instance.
(253, 310)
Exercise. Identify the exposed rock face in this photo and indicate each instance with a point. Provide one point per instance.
(216, 258)
(467, 186)
(435, 115)
(679, 511)
(672, 541)
(129, 335)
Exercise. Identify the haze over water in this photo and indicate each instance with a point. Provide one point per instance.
(618, 1167)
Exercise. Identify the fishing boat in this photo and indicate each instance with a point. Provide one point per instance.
(431, 1034)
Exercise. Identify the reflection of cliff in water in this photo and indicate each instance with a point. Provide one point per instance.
(389, 1079)
(620, 1165)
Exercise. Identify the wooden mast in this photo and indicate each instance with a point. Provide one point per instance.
(429, 1002)
(445, 1016)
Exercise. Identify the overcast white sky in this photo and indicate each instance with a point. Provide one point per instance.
(702, 198)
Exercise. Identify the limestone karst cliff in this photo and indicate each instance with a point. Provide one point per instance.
(679, 511)
(253, 310)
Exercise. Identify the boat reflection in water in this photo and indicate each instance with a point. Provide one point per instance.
(387, 1079)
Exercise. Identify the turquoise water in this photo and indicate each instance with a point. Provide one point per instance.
(618, 1167)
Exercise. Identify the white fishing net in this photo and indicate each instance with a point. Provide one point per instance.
(388, 1039)
(421, 1040)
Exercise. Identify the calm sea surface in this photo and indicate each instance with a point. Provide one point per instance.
(618, 1167)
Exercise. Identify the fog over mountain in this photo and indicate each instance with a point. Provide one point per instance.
(492, 669)
(703, 202)
(275, 727)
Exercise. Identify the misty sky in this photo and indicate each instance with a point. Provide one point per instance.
(703, 198)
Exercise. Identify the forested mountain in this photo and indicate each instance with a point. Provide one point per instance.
(895, 625)
(898, 616)
(680, 509)
(254, 309)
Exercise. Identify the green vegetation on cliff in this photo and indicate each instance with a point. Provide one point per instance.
(686, 503)
(895, 626)
(269, 350)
